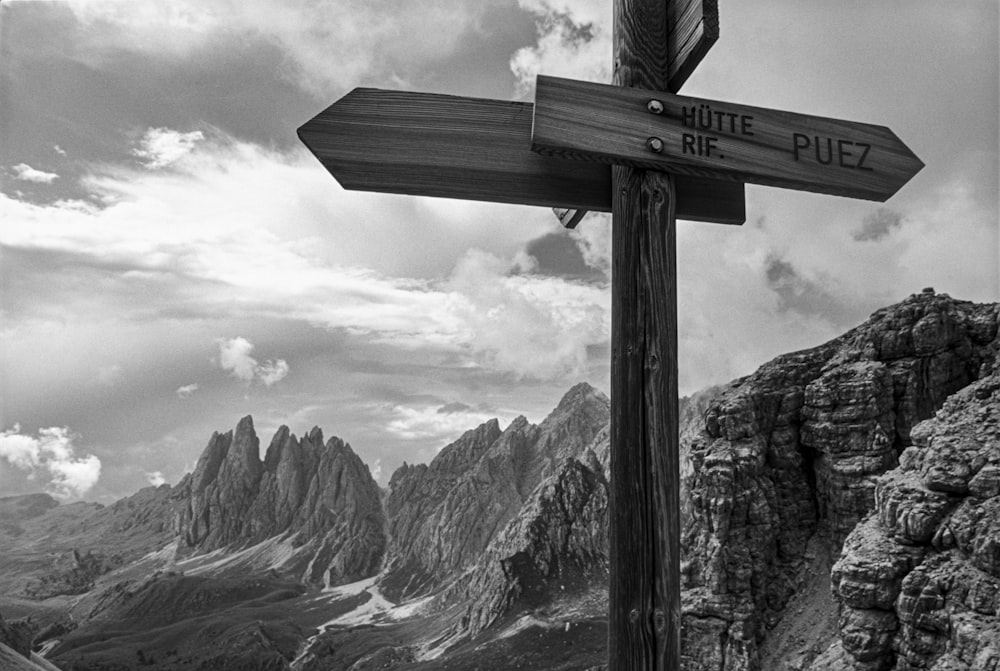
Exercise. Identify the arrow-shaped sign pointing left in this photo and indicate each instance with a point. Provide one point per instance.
(427, 144)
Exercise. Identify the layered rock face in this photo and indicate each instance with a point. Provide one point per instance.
(919, 580)
(319, 498)
(442, 516)
(556, 545)
(796, 449)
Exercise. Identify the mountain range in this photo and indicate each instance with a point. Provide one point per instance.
(840, 510)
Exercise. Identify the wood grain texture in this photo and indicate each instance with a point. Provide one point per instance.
(475, 149)
(447, 146)
(644, 599)
(582, 120)
(693, 27)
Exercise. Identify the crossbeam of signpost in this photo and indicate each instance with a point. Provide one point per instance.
(721, 140)
(692, 29)
(476, 149)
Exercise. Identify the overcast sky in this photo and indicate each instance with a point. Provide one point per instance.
(174, 259)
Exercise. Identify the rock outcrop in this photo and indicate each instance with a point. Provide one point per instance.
(555, 548)
(443, 515)
(319, 499)
(919, 581)
(18, 635)
(795, 450)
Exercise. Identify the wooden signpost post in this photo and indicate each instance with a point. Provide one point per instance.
(671, 156)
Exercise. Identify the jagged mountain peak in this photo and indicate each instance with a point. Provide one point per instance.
(442, 517)
(322, 495)
(468, 448)
(315, 435)
(579, 395)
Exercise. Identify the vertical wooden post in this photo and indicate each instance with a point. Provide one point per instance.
(644, 601)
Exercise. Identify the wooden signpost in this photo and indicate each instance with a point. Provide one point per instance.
(671, 156)
(475, 149)
(697, 137)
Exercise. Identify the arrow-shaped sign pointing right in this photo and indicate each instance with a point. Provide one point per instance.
(720, 140)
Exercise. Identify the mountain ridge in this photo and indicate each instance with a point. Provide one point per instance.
(501, 539)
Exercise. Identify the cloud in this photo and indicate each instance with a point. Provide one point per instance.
(51, 456)
(284, 243)
(25, 172)
(451, 408)
(327, 45)
(59, 150)
(561, 254)
(377, 470)
(877, 225)
(160, 147)
(535, 327)
(574, 40)
(234, 356)
(425, 423)
(263, 254)
(155, 478)
(271, 372)
(187, 390)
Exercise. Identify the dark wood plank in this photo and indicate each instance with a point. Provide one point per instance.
(644, 599)
(447, 146)
(475, 149)
(590, 121)
(693, 27)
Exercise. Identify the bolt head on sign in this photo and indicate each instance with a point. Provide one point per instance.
(718, 140)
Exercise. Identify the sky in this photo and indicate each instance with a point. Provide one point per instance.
(172, 258)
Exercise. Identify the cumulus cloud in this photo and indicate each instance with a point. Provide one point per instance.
(533, 326)
(51, 456)
(574, 40)
(285, 252)
(271, 372)
(155, 478)
(26, 173)
(234, 356)
(160, 147)
(151, 236)
(187, 390)
(377, 470)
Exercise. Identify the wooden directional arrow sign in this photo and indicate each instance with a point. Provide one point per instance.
(710, 138)
(471, 148)
(694, 28)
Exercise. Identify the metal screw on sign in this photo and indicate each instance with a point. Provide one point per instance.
(655, 106)
(655, 144)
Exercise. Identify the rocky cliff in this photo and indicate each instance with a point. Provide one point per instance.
(506, 528)
(793, 453)
(442, 516)
(919, 580)
(319, 499)
(555, 548)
